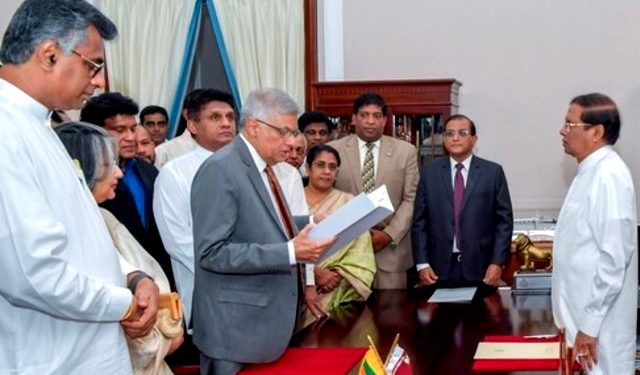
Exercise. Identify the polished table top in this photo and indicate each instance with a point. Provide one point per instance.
(439, 338)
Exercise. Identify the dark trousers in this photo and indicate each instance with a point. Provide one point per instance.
(212, 366)
(456, 279)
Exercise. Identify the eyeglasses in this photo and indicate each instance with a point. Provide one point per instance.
(94, 67)
(462, 133)
(283, 131)
(322, 165)
(570, 125)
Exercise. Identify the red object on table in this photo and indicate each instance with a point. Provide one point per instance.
(487, 365)
(310, 361)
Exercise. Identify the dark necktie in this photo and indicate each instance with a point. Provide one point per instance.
(283, 209)
(458, 194)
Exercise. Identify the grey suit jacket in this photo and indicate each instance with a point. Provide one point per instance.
(398, 169)
(486, 221)
(245, 292)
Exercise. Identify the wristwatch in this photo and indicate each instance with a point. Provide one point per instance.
(132, 284)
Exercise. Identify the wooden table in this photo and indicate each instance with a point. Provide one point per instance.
(439, 338)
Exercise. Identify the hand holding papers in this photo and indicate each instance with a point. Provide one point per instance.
(353, 219)
(453, 295)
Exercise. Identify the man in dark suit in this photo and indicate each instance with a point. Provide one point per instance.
(393, 163)
(469, 248)
(246, 242)
(132, 205)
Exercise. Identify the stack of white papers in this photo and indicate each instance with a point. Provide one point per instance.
(518, 350)
(447, 295)
(354, 218)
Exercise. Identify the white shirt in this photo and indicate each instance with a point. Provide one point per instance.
(595, 260)
(172, 211)
(261, 165)
(171, 149)
(62, 293)
(375, 150)
(291, 184)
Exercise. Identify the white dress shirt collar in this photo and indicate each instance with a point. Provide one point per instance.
(466, 163)
(362, 145)
(22, 99)
(257, 159)
(202, 152)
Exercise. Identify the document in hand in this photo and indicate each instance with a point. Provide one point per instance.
(354, 218)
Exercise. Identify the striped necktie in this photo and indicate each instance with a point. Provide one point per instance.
(368, 177)
(283, 209)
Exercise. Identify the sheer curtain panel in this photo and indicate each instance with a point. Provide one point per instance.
(145, 60)
(265, 42)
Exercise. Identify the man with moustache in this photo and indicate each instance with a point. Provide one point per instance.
(211, 118)
(133, 205)
(156, 120)
(145, 148)
(463, 220)
(369, 160)
(595, 256)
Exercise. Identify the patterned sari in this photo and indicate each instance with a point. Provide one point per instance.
(355, 263)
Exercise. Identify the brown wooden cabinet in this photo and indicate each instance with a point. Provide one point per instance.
(417, 108)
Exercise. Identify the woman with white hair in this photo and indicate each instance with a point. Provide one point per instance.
(94, 152)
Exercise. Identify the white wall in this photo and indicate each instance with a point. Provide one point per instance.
(8, 8)
(520, 63)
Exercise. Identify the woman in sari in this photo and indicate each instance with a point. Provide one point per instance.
(347, 275)
(94, 152)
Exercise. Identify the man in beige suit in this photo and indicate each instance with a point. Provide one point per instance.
(369, 160)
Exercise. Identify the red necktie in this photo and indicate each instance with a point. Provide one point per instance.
(458, 194)
(287, 220)
(283, 209)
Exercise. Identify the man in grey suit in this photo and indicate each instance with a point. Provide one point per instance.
(472, 247)
(393, 163)
(246, 249)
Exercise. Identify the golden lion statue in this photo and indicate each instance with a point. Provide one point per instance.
(530, 253)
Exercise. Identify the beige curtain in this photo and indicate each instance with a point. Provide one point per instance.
(144, 60)
(265, 42)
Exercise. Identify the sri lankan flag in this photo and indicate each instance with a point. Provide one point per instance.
(371, 363)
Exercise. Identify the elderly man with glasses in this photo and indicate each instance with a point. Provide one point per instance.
(247, 243)
(595, 262)
(463, 221)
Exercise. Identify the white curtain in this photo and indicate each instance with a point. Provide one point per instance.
(144, 60)
(265, 42)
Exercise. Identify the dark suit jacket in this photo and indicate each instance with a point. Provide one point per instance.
(246, 292)
(486, 221)
(124, 209)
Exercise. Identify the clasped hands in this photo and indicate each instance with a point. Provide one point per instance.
(326, 280)
(492, 276)
(143, 310)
